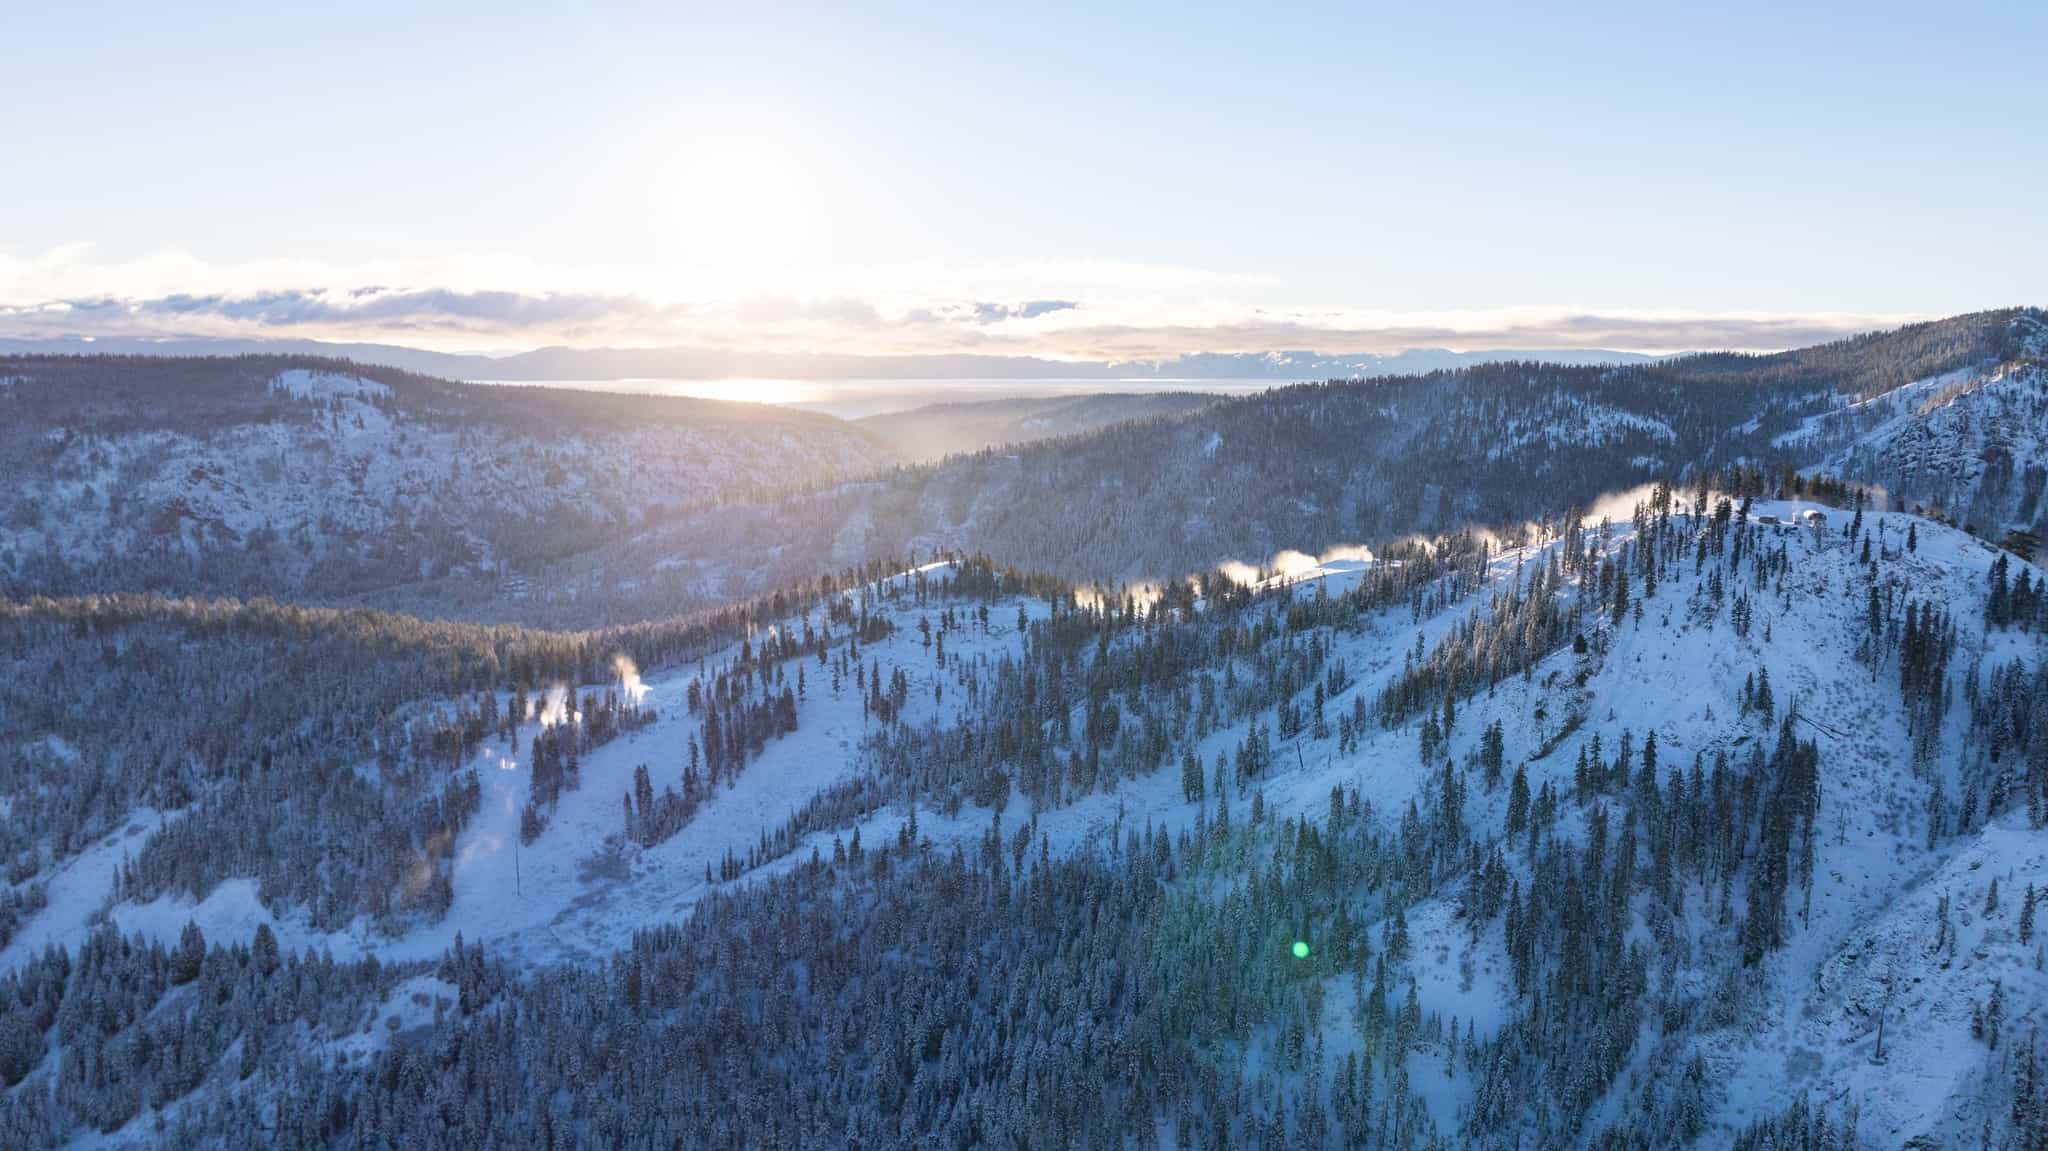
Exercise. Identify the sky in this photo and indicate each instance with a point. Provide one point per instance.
(1087, 181)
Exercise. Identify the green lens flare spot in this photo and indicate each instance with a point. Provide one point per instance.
(1301, 949)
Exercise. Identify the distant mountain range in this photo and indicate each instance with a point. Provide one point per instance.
(573, 507)
(683, 363)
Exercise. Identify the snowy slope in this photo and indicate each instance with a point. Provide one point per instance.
(577, 891)
(1877, 879)
(1972, 443)
(1871, 918)
(1803, 1025)
(336, 481)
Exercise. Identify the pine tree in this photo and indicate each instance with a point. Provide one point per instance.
(1190, 776)
(1994, 1014)
(1493, 753)
(191, 954)
(263, 949)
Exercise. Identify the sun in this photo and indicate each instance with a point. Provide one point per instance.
(737, 199)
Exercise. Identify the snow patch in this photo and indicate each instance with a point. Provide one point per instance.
(303, 384)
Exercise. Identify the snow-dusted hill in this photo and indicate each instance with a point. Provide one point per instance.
(247, 476)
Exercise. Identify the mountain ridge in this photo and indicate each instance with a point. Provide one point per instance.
(1094, 494)
(562, 363)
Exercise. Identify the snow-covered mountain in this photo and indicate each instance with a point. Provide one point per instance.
(1643, 832)
(1305, 468)
(310, 478)
(1972, 444)
(576, 508)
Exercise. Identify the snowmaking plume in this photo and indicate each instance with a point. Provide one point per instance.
(1289, 565)
(1143, 595)
(632, 689)
(556, 708)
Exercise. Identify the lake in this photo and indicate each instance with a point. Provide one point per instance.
(852, 399)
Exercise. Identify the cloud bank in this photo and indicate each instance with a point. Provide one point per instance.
(1075, 311)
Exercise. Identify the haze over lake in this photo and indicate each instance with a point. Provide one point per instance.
(853, 399)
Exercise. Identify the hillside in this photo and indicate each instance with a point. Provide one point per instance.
(577, 509)
(1628, 831)
(329, 481)
(1307, 468)
(938, 430)
(1971, 444)
(320, 478)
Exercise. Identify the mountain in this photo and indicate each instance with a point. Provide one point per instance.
(687, 363)
(1309, 468)
(321, 478)
(289, 475)
(1717, 825)
(443, 364)
(1972, 444)
(575, 508)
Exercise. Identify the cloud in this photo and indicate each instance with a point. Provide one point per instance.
(1060, 310)
(1613, 331)
(982, 313)
(988, 313)
(842, 310)
(426, 307)
(328, 311)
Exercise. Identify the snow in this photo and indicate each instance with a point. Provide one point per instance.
(1558, 419)
(577, 892)
(410, 1005)
(77, 890)
(230, 913)
(80, 887)
(1824, 1039)
(1894, 409)
(303, 384)
(336, 465)
(1456, 975)
(1966, 440)
(1874, 876)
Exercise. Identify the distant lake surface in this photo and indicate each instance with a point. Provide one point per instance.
(853, 399)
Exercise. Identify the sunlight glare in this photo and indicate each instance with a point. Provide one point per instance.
(737, 203)
(747, 391)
